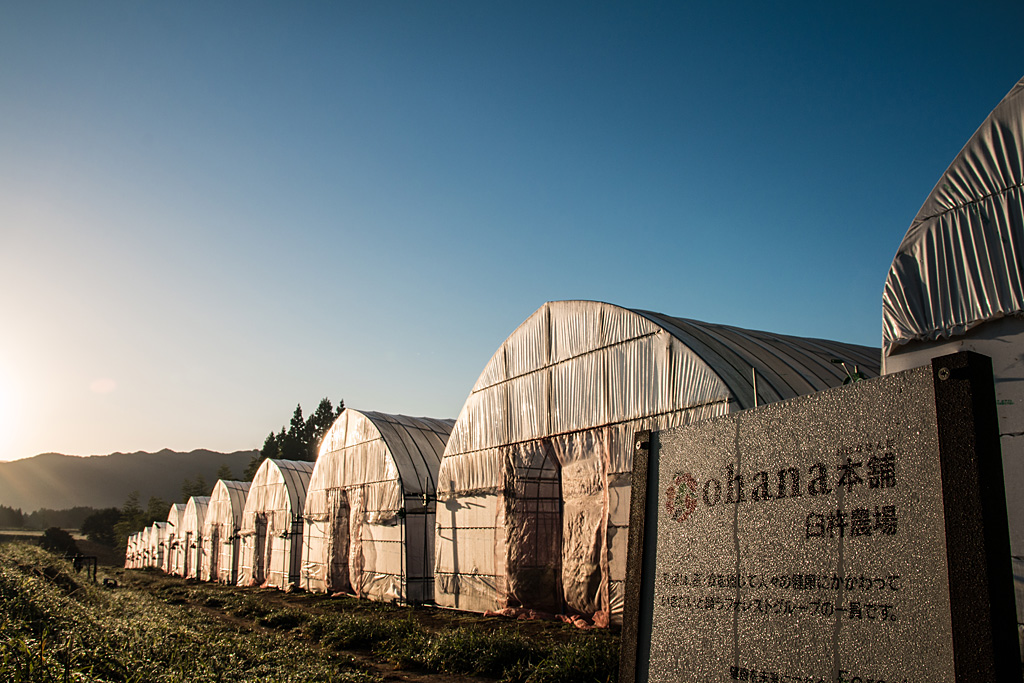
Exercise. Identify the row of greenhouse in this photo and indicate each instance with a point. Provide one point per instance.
(523, 501)
(356, 521)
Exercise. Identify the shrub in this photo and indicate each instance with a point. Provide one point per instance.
(58, 541)
(281, 619)
(582, 660)
(370, 632)
(469, 651)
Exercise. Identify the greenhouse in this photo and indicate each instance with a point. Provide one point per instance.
(191, 535)
(369, 516)
(270, 551)
(957, 281)
(174, 560)
(139, 545)
(138, 556)
(220, 531)
(534, 485)
(156, 546)
(131, 551)
(147, 556)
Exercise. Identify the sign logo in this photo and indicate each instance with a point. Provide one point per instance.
(681, 496)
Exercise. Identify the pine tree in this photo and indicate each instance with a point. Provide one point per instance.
(99, 527)
(293, 442)
(191, 488)
(157, 510)
(132, 519)
(271, 449)
(11, 518)
(299, 440)
(318, 424)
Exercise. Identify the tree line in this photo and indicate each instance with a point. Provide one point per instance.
(43, 518)
(300, 439)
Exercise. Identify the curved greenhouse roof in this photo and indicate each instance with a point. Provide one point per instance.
(534, 483)
(961, 263)
(220, 530)
(370, 506)
(174, 560)
(156, 545)
(192, 535)
(271, 530)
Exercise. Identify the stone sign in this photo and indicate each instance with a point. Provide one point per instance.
(858, 534)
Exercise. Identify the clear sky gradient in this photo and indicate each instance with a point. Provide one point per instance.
(210, 212)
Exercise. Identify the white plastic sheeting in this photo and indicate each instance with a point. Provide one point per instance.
(138, 549)
(191, 535)
(145, 552)
(156, 546)
(960, 263)
(369, 517)
(131, 551)
(174, 560)
(533, 488)
(131, 556)
(270, 550)
(956, 284)
(220, 531)
(139, 546)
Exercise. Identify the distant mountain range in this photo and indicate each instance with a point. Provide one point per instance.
(56, 481)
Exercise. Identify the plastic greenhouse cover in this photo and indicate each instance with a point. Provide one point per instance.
(684, 364)
(276, 496)
(390, 456)
(157, 544)
(220, 530)
(227, 501)
(960, 263)
(371, 466)
(542, 450)
(174, 518)
(279, 490)
(195, 514)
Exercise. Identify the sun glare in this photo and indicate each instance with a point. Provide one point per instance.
(8, 419)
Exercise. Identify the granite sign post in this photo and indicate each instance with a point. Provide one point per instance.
(854, 535)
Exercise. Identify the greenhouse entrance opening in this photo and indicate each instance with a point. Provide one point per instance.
(259, 559)
(188, 553)
(533, 513)
(214, 557)
(338, 541)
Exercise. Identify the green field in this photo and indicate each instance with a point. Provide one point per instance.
(59, 626)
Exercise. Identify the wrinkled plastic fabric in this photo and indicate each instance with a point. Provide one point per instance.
(961, 262)
(138, 555)
(220, 531)
(131, 552)
(270, 547)
(159, 532)
(156, 546)
(137, 548)
(533, 488)
(370, 505)
(191, 534)
(174, 557)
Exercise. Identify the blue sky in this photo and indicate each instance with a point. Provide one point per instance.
(211, 212)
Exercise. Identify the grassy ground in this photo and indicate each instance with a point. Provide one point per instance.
(57, 626)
